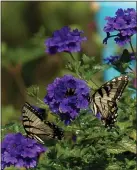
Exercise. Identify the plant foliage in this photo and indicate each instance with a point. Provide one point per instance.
(95, 147)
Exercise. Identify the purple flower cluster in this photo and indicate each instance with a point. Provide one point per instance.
(20, 151)
(66, 96)
(114, 59)
(111, 59)
(125, 22)
(64, 40)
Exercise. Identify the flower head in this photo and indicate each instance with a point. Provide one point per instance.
(124, 23)
(119, 58)
(64, 40)
(66, 96)
(20, 151)
(111, 59)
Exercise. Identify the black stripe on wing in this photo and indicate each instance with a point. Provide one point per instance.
(32, 109)
(38, 129)
(106, 97)
(58, 133)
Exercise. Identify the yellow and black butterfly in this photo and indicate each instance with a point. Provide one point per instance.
(104, 100)
(37, 128)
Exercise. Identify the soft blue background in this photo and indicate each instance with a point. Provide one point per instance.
(109, 9)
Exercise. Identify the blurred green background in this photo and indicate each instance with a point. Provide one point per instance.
(25, 26)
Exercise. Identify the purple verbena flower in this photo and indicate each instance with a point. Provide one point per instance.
(124, 23)
(20, 151)
(64, 40)
(122, 40)
(113, 59)
(66, 96)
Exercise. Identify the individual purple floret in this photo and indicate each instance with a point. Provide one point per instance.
(123, 24)
(66, 96)
(98, 115)
(20, 151)
(64, 40)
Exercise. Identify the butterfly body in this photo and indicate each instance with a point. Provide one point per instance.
(105, 99)
(38, 129)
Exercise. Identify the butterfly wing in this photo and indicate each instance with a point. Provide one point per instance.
(36, 128)
(106, 97)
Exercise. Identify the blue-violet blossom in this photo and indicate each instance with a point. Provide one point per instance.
(64, 40)
(20, 151)
(125, 23)
(66, 96)
(113, 59)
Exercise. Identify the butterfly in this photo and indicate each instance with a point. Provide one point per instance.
(104, 100)
(37, 128)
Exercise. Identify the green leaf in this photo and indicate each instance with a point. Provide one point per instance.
(113, 166)
(122, 146)
(87, 60)
(129, 145)
(33, 98)
(33, 91)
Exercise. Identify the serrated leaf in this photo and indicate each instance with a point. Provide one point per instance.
(115, 150)
(16, 128)
(129, 145)
(113, 167)
(33, 91)
(122, 146)
(133, 134)
(33, 98)
(86, 59)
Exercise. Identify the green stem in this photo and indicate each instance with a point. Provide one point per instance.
(72, 56)
(79, 123)
(94, 83)
(82, 129)
(132, 49)
(79, 74)
(131, 69)
(133, 53)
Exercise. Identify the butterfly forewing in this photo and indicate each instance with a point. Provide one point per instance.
(105, 99)
(37, 128)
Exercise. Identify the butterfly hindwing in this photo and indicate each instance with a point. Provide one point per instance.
(105, 99)
(37, 128)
